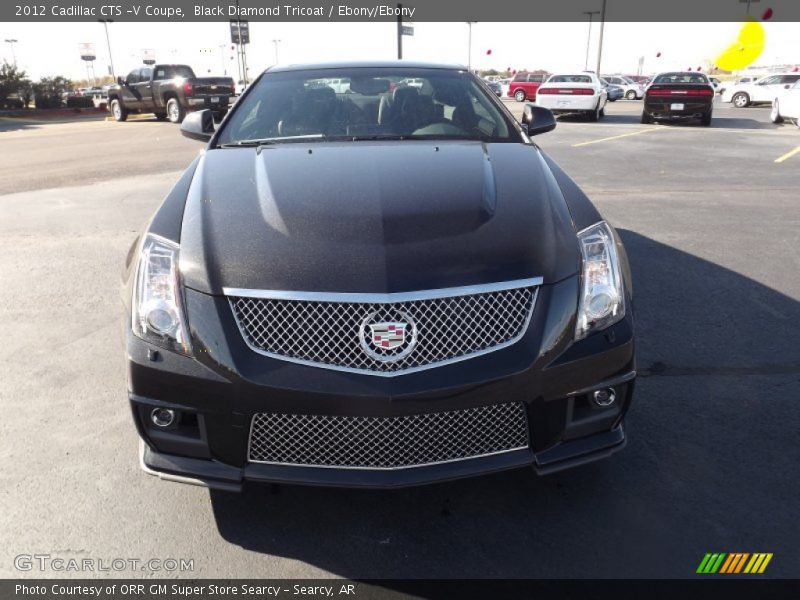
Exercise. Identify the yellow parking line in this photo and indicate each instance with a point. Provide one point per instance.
(788, 155)
(615, 137)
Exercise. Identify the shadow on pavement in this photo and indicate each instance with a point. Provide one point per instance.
(710, 465)
(17, 125)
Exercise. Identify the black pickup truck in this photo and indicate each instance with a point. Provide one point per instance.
(169, 92)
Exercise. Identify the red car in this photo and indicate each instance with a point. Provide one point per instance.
(524, 85)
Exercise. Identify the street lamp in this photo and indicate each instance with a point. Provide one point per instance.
(222, 57)
(469, 45)
(591, 14)
(600, 43)
(276, 42)
(105, 23)
(11, 43)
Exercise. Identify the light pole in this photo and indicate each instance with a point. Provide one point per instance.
(602, 27)
(748, 2)
(222, 58)
(276, 42)
(591, 14)
(105, 23)
(11, 43)
(469, 46)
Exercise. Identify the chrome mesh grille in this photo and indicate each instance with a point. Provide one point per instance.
(333, 333)
(387, 442)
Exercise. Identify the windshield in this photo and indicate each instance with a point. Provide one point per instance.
(367, 103)
(681, 78)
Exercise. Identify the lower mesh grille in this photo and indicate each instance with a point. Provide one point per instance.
(387, 442)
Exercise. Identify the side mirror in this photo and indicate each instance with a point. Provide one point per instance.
(536, 119)
(198, 125)
(787, 86)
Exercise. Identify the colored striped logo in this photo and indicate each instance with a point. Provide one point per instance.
(736, 562)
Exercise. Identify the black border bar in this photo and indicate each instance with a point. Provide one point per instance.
(385, 10)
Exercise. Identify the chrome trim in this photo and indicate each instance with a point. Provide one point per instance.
(367, 298)
(214, 485)
(624, 378)
(420, 466)
(441, 363)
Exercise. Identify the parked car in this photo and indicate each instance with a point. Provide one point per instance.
(786, 104)
(762, 91)
(524, 85)
(496, 87)
(679, 96)
(615, 92)
(574, 93)
(395, 325)
(630, 89)
(715, 83)
(169, 91)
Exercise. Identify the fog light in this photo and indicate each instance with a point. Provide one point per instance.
(162, 417)
(605, 397)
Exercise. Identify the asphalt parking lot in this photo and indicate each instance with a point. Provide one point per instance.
(710, 219)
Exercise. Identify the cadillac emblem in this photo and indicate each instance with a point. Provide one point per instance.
(385, 340)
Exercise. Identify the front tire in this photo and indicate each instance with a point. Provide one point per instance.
(175, 112)
(775, 115)
(117, 111)
(519, 95)
(740, 100)
(630, 95)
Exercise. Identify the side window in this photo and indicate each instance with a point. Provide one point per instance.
(144, 74)
(769, 81)
(133, 77)
(790, 78)
(160, 74)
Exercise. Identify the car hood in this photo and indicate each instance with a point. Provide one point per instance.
(374, 217)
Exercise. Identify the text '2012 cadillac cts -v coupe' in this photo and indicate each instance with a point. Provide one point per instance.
(376, 283)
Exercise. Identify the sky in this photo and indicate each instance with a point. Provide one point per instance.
(52, 48)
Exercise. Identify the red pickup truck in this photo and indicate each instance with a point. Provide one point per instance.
(524, 85)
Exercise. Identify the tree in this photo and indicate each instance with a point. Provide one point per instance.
(49, 91)
(26, 92)
(11, 80)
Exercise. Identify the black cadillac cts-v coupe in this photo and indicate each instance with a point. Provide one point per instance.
(372, 277)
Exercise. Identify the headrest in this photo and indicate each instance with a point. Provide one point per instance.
(404, 93)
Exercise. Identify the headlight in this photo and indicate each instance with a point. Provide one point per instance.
(602, 301)
(157, 307)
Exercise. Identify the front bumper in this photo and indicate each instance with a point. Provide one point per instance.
(220, 390)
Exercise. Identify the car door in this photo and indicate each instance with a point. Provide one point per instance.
(790, 102)
(130, 91)
(145, 88)
(766, 89)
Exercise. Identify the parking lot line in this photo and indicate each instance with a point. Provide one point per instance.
(788, 155)
(614, 137)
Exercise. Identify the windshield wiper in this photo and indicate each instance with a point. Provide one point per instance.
(275, 140)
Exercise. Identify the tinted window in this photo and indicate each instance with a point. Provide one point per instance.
(790, 78)
(666, 78)
(570, 79)
(144, 74)
(133, 77)
(380, 102)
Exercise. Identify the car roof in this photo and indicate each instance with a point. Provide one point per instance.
(364, 64)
